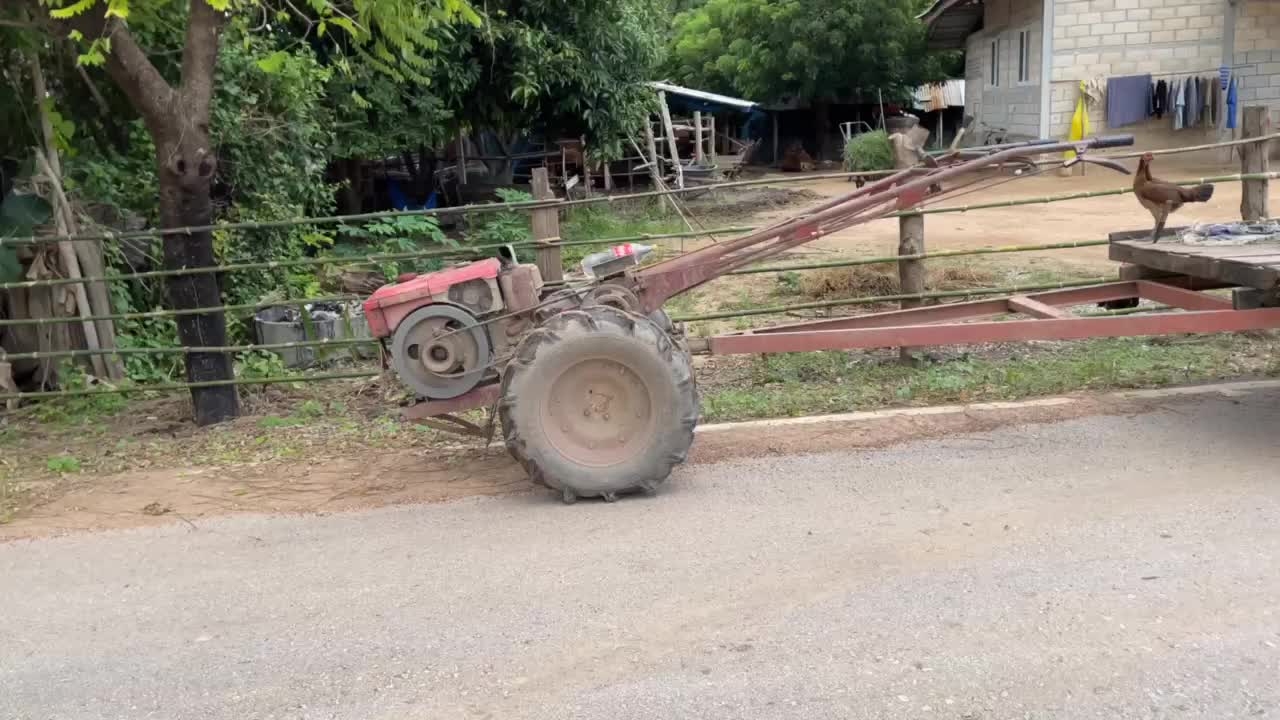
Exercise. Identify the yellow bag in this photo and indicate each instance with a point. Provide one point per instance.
(1079, 122)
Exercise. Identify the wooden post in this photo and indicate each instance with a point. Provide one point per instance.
(671, 138)
(462, 160)
(711, 146)
(546, 230)
(608, 176)
(655, 169)
(775, 140)
(699, 153)
(1253, 197)
(911, 273)
(586, 169)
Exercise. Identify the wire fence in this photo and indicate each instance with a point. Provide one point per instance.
(459, 252)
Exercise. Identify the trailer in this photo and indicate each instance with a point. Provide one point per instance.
(593, 385)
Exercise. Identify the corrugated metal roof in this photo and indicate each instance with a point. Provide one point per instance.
(702, 95)
(950, 22)
(952, 94)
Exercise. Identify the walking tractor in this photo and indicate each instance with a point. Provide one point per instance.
(594, 384)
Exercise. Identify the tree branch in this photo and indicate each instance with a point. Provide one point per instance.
(128, 65)
(200, 59)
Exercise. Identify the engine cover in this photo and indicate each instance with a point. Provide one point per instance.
(474, 287)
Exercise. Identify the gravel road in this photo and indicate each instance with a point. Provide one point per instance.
(1100, 567)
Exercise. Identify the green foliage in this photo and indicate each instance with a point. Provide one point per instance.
(398, 236)
(77, 409)
(20, 214)
(259, 364)
(817, 50)
(508, 226)
(568, 66)
(594, 223)
(869, 151)
(62, 465)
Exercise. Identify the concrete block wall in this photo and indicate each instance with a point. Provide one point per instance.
(1011, 105)
(1257, 54)
(1105, 38)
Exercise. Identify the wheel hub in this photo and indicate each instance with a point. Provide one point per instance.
(441, 351)
(598, 412)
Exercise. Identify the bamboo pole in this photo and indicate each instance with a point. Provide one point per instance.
(67, 252)
(171, 387)
(671, 138)
(184, 311)
(655, 168)
(612, 199)
(921, 256)
(779, 309)
(123, 352)
(445, 253)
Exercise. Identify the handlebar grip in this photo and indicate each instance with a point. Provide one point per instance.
(1111, 141)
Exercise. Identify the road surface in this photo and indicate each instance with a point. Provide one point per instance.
(1100, 567)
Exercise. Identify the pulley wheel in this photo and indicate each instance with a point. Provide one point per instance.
(440, 351)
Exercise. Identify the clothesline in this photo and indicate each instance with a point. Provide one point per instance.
(1197, 72)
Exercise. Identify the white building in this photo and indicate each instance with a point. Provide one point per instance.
(1013, 46)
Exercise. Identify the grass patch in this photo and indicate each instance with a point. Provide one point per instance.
(785, 385)
(882, 279)
(592, 223)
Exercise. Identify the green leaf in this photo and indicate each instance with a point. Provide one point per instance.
(19, 216)
(118, 8)
(219, 5)
(72, 10)
(20, 213)
(272, 63)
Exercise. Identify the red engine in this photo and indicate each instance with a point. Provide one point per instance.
(444, 328)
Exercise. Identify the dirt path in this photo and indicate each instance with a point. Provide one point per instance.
(1074, 220)
(440, 473)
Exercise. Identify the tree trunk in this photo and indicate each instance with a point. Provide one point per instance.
(178, 121)
(185, 200)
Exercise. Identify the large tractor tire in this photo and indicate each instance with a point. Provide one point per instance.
(598, 402)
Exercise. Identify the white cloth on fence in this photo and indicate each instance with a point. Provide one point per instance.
(1236, 233)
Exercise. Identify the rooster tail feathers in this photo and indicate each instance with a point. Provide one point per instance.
(1201, 193)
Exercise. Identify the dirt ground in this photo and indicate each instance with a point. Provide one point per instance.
(444, 470)
(266, 463)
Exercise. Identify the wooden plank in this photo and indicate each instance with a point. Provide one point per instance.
(1035, 308)
(1197, 265)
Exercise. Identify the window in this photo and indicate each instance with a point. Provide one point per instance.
(1024, 56)
(995, 62)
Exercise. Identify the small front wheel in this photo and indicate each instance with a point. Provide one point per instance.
(599, 402)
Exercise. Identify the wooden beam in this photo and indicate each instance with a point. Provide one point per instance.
(699, 154)
(1253, 197)
(1035, 308)
(546, 230)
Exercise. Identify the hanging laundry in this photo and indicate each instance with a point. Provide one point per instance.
(1079, 120)
(1192, 102)
(1127, 100)
(1161, 100)
(1206, 110)
(1215, 105)
(1179, 104)
(1224, 76)
(1231, 105)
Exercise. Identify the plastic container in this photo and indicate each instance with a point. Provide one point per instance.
(615, 259)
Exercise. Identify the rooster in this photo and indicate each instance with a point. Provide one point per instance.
(1161, 198)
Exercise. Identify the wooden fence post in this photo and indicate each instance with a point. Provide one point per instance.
(655, 164)
(911, 273)
(1253, 159)
(671, 138)
(546, 230)
(699, 151)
